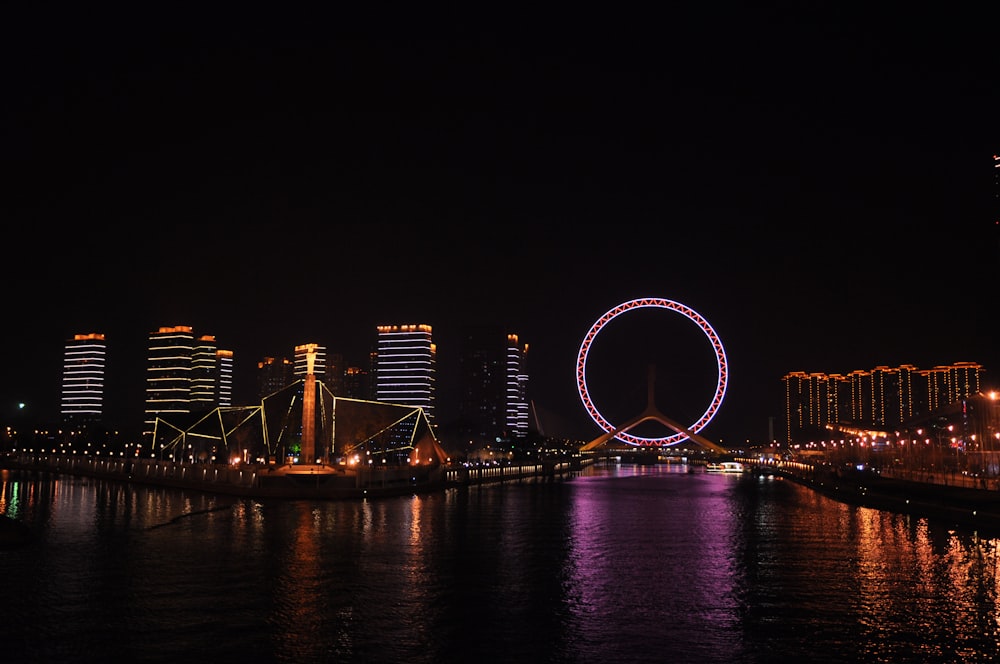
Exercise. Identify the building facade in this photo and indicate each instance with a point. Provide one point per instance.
(84, 362)
(334, 373)
(224, 376)
(168, 375)
(273, 374)
(185, 374)
(516, 379)
(818, 405)
(493, 405)
(204, 375)
(406, 366)
(358, 383)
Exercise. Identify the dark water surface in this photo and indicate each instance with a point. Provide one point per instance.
(619, 564)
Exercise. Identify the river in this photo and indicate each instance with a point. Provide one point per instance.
(612, 564)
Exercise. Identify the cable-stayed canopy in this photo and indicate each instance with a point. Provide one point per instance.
(278, 427)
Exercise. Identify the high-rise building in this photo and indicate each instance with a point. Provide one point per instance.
(817, 405)
(996, 187)
(204, 374)
(493, 407)
(358, 384)
(517, 386)
(224, 371)
(335, 372)
(273, 374)
(168, 375)
(483, 386)
(83, 380)
(185, 374)
(406, 366)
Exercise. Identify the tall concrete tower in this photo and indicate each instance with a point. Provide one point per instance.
(308, 353)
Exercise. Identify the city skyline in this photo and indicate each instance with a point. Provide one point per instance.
(819, 186)
(456, 388)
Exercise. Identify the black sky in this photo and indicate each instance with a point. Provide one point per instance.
(816, 183)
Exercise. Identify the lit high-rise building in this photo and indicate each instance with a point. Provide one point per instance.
(168, 375)
(83, 380)
(406, 365)
(224, 382)
(493, 378)
(185, 374)
(516, 387)
(817, 405)
(204, 375)
(996, 188)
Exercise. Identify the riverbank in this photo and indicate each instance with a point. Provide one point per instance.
(299, 481)
(961, 507)
(287, 481)
(964, 507)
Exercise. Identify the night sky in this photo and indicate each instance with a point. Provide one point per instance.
(817, 184)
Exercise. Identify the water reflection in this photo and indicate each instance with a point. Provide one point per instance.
(620, 564)
(656, 557)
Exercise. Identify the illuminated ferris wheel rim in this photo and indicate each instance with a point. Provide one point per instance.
(659, 303)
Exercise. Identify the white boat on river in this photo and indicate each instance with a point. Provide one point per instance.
(725, 467)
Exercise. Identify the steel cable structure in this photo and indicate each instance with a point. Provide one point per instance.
(659, 303)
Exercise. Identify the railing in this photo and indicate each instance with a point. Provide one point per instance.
(152, 470)
(480, 474)
(934, 477)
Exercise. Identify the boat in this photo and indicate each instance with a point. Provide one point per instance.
(724, 467)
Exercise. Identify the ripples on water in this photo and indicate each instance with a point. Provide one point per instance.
(623, 564)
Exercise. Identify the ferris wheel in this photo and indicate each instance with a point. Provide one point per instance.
(681, 432)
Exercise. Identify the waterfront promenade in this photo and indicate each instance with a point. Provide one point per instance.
(296, 481)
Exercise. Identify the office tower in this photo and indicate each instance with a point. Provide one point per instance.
(168, 375)
(406, 366)
(335, 372)
(516, 388)
(273, 374)
(493, 407)
(185, 374)
(224, 381)
(482, 380)
(83, 380)
(357, 384)
(204, 363)
(996, 189)
(373, 374)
